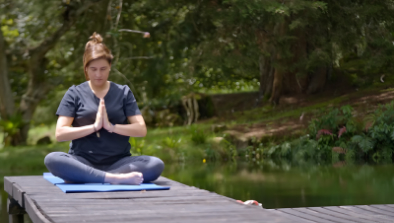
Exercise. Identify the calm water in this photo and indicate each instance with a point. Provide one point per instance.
(280, 185)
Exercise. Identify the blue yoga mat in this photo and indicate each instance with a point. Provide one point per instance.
(99, 187)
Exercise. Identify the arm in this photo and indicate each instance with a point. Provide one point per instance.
(137, 128)
(64, 131)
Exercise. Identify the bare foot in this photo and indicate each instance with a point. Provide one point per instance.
(132, 178)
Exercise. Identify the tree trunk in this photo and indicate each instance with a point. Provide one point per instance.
(266, 77)
(7, 107)
(38, 86)
(36, 91)
(277, 86)
(101, 21)
(317, 80)
(280, 68)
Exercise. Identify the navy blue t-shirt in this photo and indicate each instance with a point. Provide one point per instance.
(81, 103)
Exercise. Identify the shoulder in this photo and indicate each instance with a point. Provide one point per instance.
(120, 88)
(71, 91)
(74, 90)
(81, 86)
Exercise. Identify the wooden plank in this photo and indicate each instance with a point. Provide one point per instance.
(17, 194)
(366, 212)
(8, 185)
(163, 208)
(322, 215)
(384, 207)
(34, 213)
(339, 215)
(303, 215)
(184, 199)
(289, 216)
(380, 211)
(176, 217)
(125, 196)
(352, 213)
(140, 198)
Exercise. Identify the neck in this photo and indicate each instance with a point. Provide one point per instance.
(99, 88)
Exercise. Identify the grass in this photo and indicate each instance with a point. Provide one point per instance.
(178, 143)
(41, 131)
(271, 113)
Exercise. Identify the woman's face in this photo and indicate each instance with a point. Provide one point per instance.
(98, 72)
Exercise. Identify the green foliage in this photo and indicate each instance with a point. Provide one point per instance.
(10, 128)
(206, 46)
(171, 143)
(137, 146)
(198, 136)
(333, 120)
(357, 142)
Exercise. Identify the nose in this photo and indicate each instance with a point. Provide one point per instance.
(97, 73)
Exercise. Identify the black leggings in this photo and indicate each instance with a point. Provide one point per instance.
(77, 169)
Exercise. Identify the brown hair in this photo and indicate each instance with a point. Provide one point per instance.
(95, 49)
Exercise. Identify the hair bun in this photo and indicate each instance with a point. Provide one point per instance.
(96, 38)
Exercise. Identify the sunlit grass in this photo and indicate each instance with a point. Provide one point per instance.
(1, 140)
(175, 143)
(41, 131)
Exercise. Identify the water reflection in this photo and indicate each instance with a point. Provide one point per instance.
(278, 185)
(283, 186)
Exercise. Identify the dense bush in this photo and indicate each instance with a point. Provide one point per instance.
(340, 135)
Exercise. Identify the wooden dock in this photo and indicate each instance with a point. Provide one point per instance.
(44, 202)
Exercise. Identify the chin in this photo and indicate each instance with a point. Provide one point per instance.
(99, 82)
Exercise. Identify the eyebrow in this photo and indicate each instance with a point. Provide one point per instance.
(100, 67)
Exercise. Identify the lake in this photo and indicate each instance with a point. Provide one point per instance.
(278, 185)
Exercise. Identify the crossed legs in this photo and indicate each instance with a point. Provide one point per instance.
(128, 170)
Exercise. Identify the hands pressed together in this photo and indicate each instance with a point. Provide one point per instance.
(102, 119)
(133, 178)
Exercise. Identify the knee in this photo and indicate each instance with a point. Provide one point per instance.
(52, 159)
(155, 170)
(158, 165)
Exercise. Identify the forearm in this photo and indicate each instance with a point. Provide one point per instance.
(133, 130)
(67, 133)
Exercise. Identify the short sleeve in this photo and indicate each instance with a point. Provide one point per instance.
(67, 106)
(130, 105)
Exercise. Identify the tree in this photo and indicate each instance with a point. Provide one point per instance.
(36, 63)
(293, 45)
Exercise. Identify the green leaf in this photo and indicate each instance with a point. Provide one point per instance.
(357, 139)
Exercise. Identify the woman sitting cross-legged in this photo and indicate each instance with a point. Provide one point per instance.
(99, 117)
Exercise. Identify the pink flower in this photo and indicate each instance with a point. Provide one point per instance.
(323, 132)
(341, 131)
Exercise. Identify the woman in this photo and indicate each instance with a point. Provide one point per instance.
(95, 116)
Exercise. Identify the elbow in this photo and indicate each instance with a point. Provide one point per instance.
(143, 131)
(59, 137)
